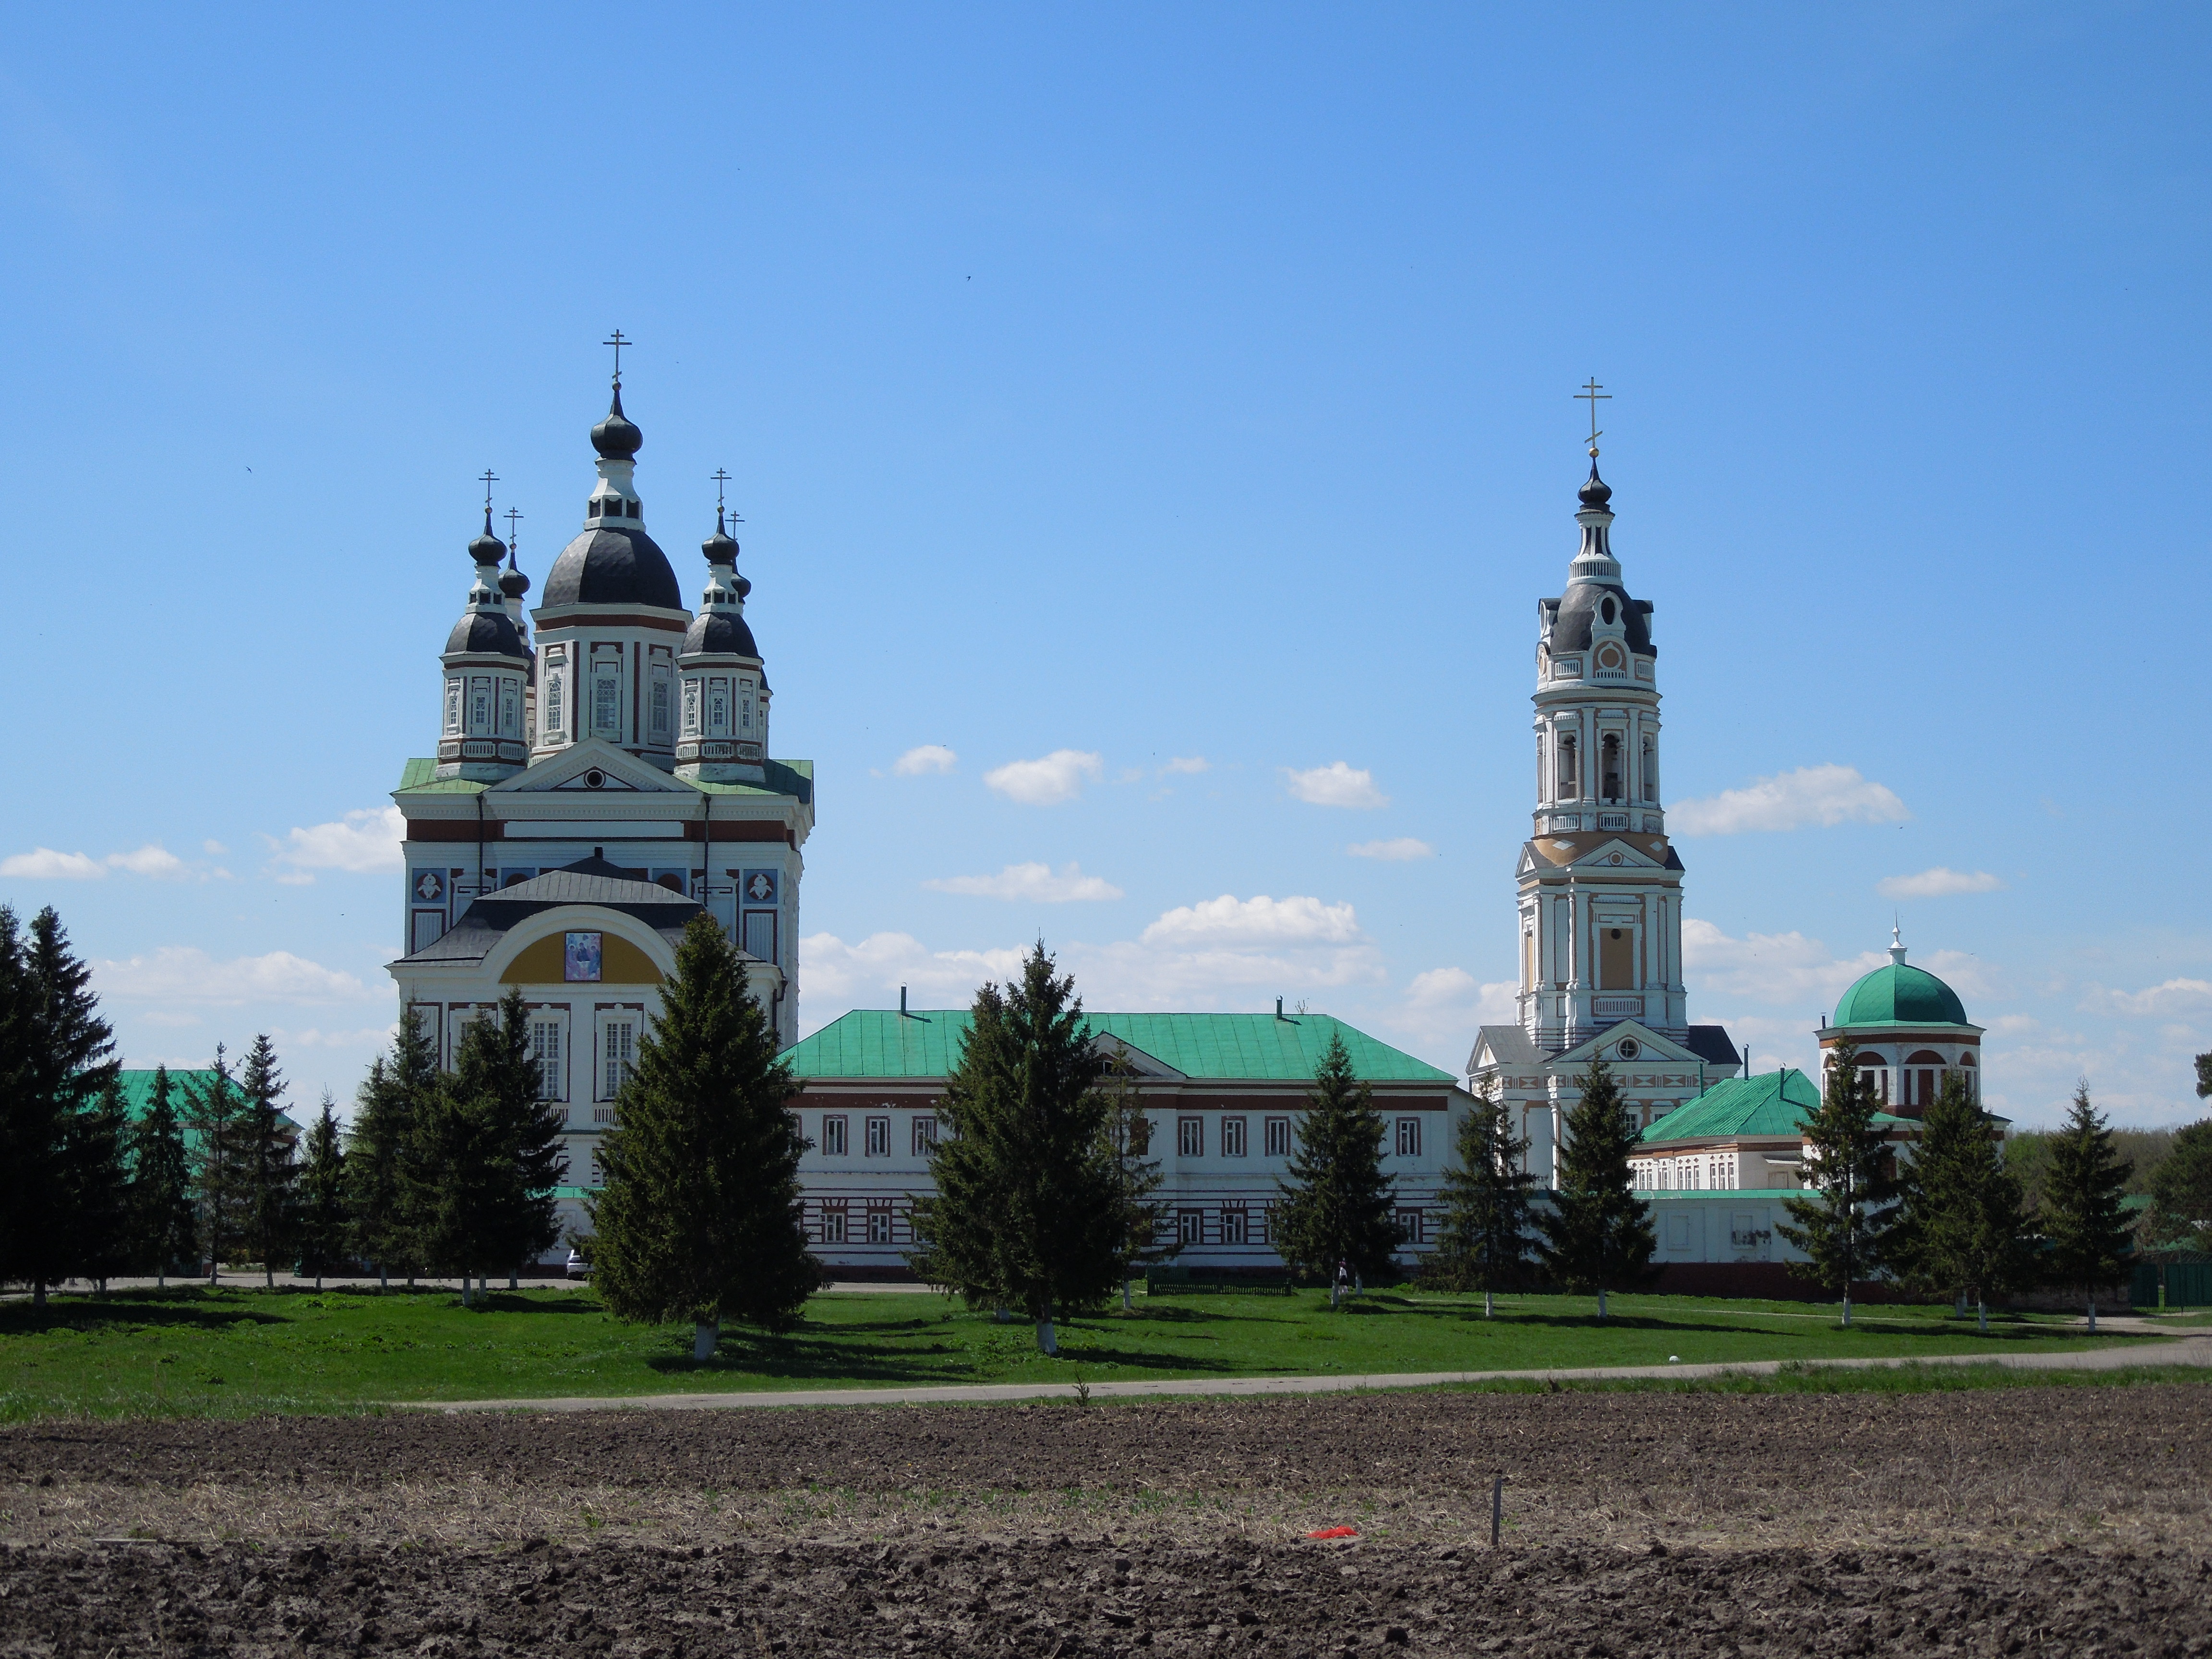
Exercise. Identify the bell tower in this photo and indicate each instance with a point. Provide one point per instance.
(1601, 885)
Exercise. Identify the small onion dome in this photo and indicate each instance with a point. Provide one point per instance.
(486, 633)
(1596, 493)
(720, 548)
(720, 634)
(617, 437)
(487, 548)
(512, 582)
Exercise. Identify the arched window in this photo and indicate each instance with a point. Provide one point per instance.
(1924, 1075)
(1609, 750)
(1651, 771)
(1569, 777)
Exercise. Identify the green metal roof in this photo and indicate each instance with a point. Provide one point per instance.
(870, 1043)
(1898, 993)
(138, 1094)
(793, 777)
(1773, 1105)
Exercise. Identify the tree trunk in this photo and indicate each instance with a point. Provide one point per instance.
(2092, 1313)
(38, 1293)
(1000, 1316)
(1983, 1305)
(1601, 1303)
(318, 1283)
(267, 1275)
(383, 1278)
(514, 1281)
(1847, 1305)
(466, 1284)
(1959, 1312)
(1047, 1343)
(1489, 1305)
(160, 1279)
(1125, 1295)
(703, 1339)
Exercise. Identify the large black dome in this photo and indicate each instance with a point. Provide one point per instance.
(1574, 615)
(611, 566)
(486, 631)
(721, 634)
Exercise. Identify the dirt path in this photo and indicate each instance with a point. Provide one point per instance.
(2045, 1519)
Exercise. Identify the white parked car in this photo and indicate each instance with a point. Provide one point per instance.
(578, 1267)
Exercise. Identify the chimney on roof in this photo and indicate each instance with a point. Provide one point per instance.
(1278, 1007)
(902, 1002)
(598, 852)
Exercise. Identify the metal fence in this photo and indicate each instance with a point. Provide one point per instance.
(2181, 1280)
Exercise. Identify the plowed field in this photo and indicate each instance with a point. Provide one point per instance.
(2025, 1520)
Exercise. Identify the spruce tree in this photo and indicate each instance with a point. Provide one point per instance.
(1961, 1225)
(2082, 1220)
(218, 1116)
(1337, 1205)
(271, 1160)
(163, 1230)
(699, 1217)
(2181, 1189)
(321, 1213)
(485, 1154)
(93, 1202)
(380, 1150)
(56, 1062)
(1147, 1235)
(1489, 1228)
(1597, 1236)
(1028, 1208)
(1843, 1227)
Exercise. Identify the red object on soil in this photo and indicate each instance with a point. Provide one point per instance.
(1336, 1532)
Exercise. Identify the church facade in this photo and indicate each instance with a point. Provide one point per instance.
(599, 779)
(1600, 913)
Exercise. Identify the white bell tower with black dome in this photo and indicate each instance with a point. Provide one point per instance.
(484, 671)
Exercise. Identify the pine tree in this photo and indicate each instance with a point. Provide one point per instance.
(381, 1149)
(699, 1217)
(485, 1154)
(1842, 1229)
(1028, 1208)
(1337, 1205)
(162, 1229)
(2181, 1187)
(1147, 1235)
(93, 1202)
(1489, 1228)
(2081, 1215)
(321, 1197)
(56, 1062)
(1962, 1225)
(271, 1160)
(218, 1115)
(1597, 1236)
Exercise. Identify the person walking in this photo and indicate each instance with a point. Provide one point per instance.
(1343, 1279)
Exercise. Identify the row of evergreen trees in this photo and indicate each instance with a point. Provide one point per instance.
(1948, 1219)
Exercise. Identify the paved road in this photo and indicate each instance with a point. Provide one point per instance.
(2193, 1351)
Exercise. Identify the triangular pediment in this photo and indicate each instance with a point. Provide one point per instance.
(1617, 854)
(1650, 1047)
(1139, 1062)
(1501, 1046)
(596, 767)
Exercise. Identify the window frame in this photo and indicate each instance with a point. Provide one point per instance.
(877, 1133)
(837, 1135)
(1409, 1136)
(1190, 1137)
(1234, 1139)
(1269, 1128)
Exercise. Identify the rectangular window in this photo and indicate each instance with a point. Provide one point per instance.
(1410, 1224)
(480, 703)
(453, 705)
(510, 708)
(833, 1224)
(833, 1135)
(744, 705)
(1190, 1137)
(546, 1055)
(760, 934)
(1409, 1136)
(1190, 1226)
(690, 708)
(1235, 1225)
(1232, 1137)
(1279, 1137)
(662, 692)
(717, 709)
(879, 1224)
(925, 1136)
(618, 1048)
(553, 702)
(879, 1137)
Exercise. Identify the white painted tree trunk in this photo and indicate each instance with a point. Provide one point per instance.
(1489, 1306)
(2092, 1313)
(1600, 1305)
(1047, 1343)
(1961, 1309)
(703, 1339)
(514, 1281)
(1000, 1316)
(1983, 1307)
(1847, 1307)
(1126, 1304)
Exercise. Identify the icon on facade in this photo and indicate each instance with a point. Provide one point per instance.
(430, 887)
(760, 886)
(580, 962)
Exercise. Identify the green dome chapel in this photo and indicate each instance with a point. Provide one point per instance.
(1910, 1029)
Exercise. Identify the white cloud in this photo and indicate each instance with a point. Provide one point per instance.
(151, 860)
(1191, 763)
(1335, 785)
(1260, 920)
(368, 1037)
(928, 758)
(366, 841)
(44, 864)
(1791, 969)
(186, 974)
(871, 972)
(1395, 852)
(1442, 1007)
(214, 849)
(1824, 795)
(2175, 996)
(1035, 882)
(1058, 777)
(1941, 882)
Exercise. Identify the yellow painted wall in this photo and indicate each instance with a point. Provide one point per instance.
(621, 962)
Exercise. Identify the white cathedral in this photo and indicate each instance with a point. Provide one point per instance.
(603, 776)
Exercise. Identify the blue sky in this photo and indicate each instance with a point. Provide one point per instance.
(1181, 392)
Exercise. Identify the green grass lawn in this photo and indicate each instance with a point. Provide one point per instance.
(192, 1351)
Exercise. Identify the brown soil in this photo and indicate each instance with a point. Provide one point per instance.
(2005, 1521)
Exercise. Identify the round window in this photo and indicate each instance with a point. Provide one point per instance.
(1605, 610)
(595, 779)
(1616, 932)
(1627, 1048)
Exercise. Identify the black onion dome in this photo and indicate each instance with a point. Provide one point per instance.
(1596, 493)
(721, 634)
(617, 437)
(611, 566)
(513, 583)
(487, 633)
(720, 548)
(487, 548)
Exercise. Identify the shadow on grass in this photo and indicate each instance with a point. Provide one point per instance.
(831, 1358)
(88, 1316)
